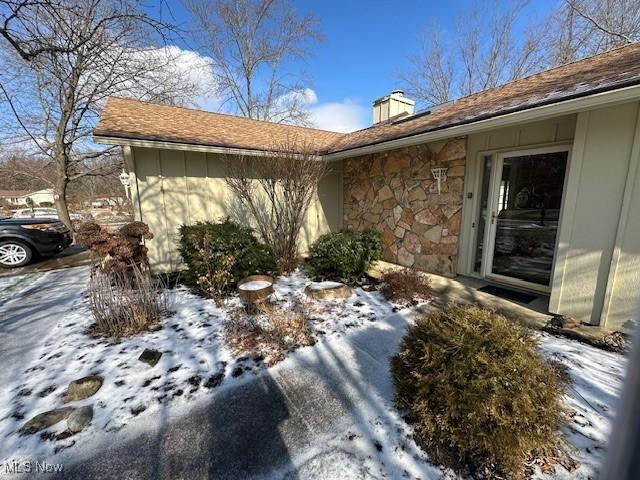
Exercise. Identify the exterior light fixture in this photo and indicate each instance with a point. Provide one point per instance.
(124, 180)
(439, 174)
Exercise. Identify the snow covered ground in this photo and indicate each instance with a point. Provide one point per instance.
(197, 367)
(194, 362)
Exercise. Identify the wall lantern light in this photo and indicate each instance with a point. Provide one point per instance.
(439, 174)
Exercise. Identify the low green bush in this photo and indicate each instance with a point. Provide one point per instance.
(218, 255)
(345, 255)
(479, 394)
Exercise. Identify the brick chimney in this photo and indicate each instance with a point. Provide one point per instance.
(394, 105)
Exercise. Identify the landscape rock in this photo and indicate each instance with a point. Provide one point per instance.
(327, 290)
(616, 341)
(83, 388)
(80, 418)
(563, 321)
(45, 420)
(150, 357)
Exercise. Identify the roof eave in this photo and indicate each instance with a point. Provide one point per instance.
(565, 107)
(167, 145)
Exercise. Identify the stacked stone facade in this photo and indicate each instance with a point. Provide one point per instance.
(395, 193)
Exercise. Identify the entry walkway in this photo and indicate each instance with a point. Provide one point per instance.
(533, 314)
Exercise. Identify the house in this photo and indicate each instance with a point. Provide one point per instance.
(539, 180)
(40, 198)
(12, 197)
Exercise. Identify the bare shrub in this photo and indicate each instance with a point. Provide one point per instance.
(270, 333)
(277, 190)
(126, 302)
(405, 286)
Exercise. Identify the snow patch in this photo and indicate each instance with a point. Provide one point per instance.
(254, 285)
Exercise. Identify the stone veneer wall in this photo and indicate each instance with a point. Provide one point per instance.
(394, 192)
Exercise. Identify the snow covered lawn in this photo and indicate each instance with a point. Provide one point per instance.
(195, 363)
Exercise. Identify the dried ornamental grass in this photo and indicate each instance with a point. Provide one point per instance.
(479, 394)
(126, 302)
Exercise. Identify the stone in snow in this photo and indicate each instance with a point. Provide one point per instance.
(255, 285)
(45, 420)
(83, 388)
(150, 356)
(80, 418)
(328, 290)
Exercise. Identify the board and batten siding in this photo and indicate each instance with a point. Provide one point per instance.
(597, 269)
(596, 274)
(175, 187)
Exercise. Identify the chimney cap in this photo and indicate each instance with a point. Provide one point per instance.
(399, 91)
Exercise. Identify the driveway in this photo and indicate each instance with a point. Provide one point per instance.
(30, 306)
(73, 256)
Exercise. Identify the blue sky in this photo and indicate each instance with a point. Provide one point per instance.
(367, 42)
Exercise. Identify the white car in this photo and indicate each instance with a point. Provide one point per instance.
(42, 212)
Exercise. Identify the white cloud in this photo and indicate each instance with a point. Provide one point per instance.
(196, 69)
(190, 68)
(345, 116)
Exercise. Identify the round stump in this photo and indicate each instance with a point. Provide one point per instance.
(255, 288)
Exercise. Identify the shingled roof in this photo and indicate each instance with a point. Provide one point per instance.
(133, 119)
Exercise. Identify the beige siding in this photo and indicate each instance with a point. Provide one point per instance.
(181, 187)
(598, 221)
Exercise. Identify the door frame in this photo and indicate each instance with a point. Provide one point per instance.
(491, 227)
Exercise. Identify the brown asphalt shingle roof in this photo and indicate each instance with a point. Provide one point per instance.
(126, 118)
(140, 120)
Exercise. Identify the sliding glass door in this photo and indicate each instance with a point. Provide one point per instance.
(523, 210)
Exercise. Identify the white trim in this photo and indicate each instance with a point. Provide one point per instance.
(567, 215)
(491, 226)
(632, 174)
(132, 142)
(537, 113)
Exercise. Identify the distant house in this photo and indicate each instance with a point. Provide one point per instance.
(12, 197)
(18, 198)
(533, 185)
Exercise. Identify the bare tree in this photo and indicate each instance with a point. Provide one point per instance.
(488, 50)
(581, 28)
(251, 42)
(277, 190)
(19, 170)
(485, 51)
(431, 80)
(61, 61)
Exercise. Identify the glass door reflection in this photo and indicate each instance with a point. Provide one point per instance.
(527, 198)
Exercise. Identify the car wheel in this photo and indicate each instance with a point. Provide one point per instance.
(14, 253)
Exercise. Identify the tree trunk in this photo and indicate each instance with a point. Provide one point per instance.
(60, 195)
